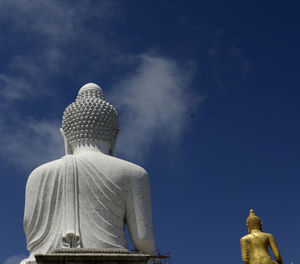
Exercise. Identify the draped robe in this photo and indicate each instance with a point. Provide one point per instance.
(254, 248)
(84, 200)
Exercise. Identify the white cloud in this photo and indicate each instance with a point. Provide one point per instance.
(14, 259)
(13, 87)
(154, 103)
(55, 37)
(30, 143)
(155, 99)
(58, 21)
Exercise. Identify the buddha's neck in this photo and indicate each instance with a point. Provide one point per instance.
(255, 231)
(91, 147)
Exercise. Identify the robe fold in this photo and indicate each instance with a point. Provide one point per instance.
(83, 200)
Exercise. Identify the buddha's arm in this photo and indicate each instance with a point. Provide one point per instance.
(245, 250)
(138, 213)
(275, 249)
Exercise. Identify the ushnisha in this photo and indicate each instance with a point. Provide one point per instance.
(85, 199)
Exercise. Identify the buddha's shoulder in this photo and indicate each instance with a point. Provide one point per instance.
(48, 167)
(129, 167)
(246, 237)
(123, 166)
(251, 236)
(267, 234)
(112, 166)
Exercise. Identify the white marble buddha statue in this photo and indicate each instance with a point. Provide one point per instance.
(85, 199)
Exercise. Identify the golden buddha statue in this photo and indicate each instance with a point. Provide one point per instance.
(254, 246)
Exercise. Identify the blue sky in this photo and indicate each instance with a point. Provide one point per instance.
(208, 98)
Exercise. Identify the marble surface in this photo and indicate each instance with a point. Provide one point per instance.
(85, 199)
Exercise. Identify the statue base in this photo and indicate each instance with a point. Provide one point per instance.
(92, 258)
(86, 256)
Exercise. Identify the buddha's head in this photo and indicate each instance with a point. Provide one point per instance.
(253, 222)
(90, 120)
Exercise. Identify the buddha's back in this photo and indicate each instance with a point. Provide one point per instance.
(108, 187)
(88, 198)
(257, 245)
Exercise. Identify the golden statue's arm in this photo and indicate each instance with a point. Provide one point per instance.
(275, 249)
(245, 250)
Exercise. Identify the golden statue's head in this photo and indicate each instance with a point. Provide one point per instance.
(253, 221)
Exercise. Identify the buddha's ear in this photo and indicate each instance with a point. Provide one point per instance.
(68, 149)
(112, 148)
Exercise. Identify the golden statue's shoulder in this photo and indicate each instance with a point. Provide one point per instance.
(246, 237)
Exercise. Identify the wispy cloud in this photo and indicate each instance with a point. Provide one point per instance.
(13, 87)
(154, 100)
(29, 143)
(56, 22)
(154, 103)
(47, 32)
(14, 259)
(51, 38)
(228, 61)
